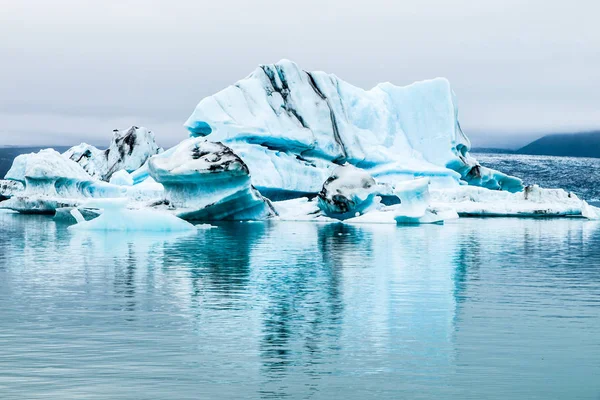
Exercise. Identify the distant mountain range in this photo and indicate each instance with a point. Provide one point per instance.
(584, 144)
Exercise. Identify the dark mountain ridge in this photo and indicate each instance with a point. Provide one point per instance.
(585, 144)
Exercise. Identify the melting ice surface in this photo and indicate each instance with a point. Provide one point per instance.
(467, 310)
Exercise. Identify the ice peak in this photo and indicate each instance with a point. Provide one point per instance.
(129, 149)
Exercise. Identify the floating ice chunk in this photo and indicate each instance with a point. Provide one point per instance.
(414, 208)
(206, 181)
(205, 226)
(293, 127)
(532, 202)
(121, 178)
(128, 150)
(52, 181)
(300, 209)
(46, 172)
(115, 217)
(414, 196)
(394, 215)
(349, 192)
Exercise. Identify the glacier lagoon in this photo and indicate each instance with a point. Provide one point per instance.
(466, 310)
(129, 293)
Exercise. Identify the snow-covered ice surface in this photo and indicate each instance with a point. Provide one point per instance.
(293, 127)
(207, 181)
(116, 217)
(129, 150)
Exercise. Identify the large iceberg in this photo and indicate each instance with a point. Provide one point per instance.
(293, 127)
(128, 150)
(207, 181)
(288, 144)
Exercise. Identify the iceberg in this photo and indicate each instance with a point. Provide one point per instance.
(52, 181)
(352, 197)
(348, 192)
(116, 217)
(206, 181)
(128, 150)
(415, 206)
(534, 201)
(287, 144)
(293, 128)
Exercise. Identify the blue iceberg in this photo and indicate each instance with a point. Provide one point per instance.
(293, 127)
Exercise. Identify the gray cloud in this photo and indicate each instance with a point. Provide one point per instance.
(73, 70)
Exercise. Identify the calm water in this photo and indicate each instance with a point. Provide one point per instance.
(477, 308)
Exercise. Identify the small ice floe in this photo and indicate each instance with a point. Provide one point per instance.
(116, 217)
(204, 226)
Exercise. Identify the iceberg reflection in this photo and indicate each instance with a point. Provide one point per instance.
(283, 309)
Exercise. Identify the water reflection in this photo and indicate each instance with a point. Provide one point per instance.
(296, 310)
(302, 317)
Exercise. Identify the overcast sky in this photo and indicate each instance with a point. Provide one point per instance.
(73, 70)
